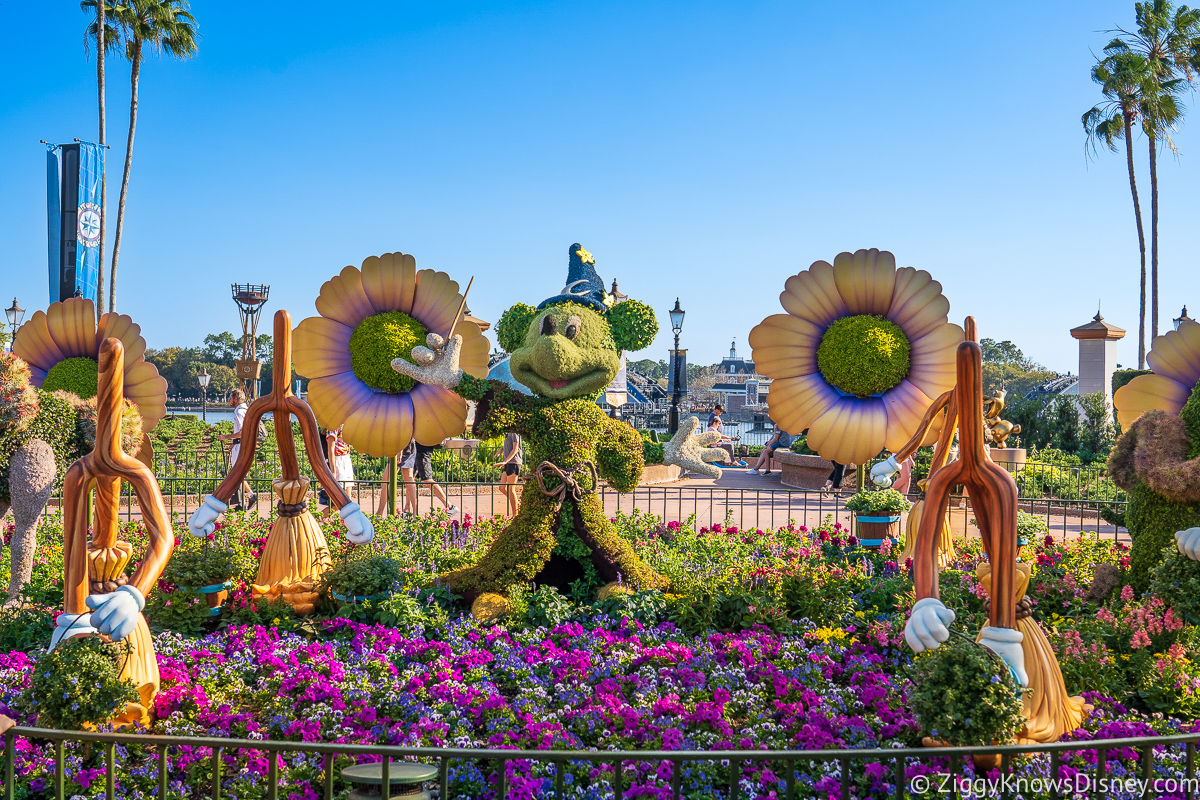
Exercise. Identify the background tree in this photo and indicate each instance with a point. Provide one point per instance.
(1168, 38)
(106, 37)
(1006, 367)
(222, 348)
(1122, 77)
(223, 380)
(162, 26)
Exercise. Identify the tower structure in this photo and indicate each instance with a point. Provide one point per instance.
(250, 299)
(1097, 355)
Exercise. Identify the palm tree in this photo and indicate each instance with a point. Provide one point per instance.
(106, 39)
(1169, 40)
(163, 26)
(1122, 77)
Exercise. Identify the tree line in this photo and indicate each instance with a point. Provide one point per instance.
(181, 365)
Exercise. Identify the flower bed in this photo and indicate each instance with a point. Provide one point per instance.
(781, 639)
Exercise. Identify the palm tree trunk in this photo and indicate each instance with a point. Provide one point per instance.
(133, 104)
(1153, 237)
(1137, 215)
(100, 44)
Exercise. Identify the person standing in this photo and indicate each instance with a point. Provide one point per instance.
(423, 471)
(512, 459)
(338, 453)
(407, 485)
(237, 399)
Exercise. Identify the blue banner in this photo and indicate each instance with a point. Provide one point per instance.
(73, 184)
(87, 219)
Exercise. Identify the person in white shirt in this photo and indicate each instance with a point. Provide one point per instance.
(237, 399)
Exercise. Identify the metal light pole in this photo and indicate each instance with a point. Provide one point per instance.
(1178, 320)
(16, 315)
(676, 314)
(203, 378)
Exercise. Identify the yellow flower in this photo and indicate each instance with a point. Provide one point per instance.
(841, 426)
(1174, 358)
(68, 329)
(382, 422)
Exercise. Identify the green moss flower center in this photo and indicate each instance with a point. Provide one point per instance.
(863, 355)
(75, 375)
(376, 341)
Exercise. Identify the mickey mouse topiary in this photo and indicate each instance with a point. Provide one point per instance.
(567, 350)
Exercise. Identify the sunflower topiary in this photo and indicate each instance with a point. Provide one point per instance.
(379, 339)
(75, 375)
(863, 355)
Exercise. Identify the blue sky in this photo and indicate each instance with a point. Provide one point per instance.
(700, 150)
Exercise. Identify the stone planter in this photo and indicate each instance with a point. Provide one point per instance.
(1011, 458)
(216, 595)
(660, 473)
(802, 472)
(875, 527)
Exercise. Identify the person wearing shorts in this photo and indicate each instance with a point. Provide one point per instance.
(423, 471)
(782, 440)
(339, 458)
(512, 458)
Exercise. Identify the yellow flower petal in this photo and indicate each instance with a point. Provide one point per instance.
(865, 280)
(813, 295)
(436, 301)
(36, 346)
(72, 323)
(120, 326)
(918, 305)
(784, 346)
(851, 432)
(905, 405)
(1176, 354)
(321, 347)
(931, 360)
(475, 349)
(439, 413)
(342, 298)
(1146, 393)
(145, 387)
(795, 403)
(382, 426)
(335, 397)
(390, 281)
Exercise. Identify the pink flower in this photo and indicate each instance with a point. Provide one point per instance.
(1126, 592)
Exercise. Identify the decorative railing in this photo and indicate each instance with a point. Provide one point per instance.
(1136, 767)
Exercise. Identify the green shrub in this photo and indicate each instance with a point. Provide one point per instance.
(964, 695)
(26, 627)
(652, 452)
(365, 576)
(79, 683)
(863, 355)
(55, 424)
(78, 376)
(184, 610)
(887, 502)
(376, 341)
(206, 565)
(1177, 581)
(800, 445)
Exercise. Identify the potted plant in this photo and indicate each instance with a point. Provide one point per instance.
(877, 513)
(356, 580)
(964, 695)
(78, 685)
(207, 570)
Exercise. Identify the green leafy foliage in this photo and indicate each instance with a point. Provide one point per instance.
(184, 610)
(1176, 579)
(800, 445)
(18, 401)
(25, 627)
(376, 341)
(78, 376)
(1190, 414)
(56, 424)
(199, 566)
(79, 683)
(964, 695)
(863, 354)
(513, 325)
(362, 576)
(633, 325)
(876, 501)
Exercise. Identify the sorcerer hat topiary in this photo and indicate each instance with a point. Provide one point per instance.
(583, 284)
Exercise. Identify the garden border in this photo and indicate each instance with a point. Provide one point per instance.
(1145, 746)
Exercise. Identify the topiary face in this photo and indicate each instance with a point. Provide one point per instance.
(75, 375)
(376, 341)
(863, 355)
(568, 352)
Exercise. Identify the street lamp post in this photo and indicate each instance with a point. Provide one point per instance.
(1182, 316)
(16, 315)
(676, 314)
(203, 378)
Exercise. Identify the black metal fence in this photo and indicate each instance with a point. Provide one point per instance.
(1141, 767)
